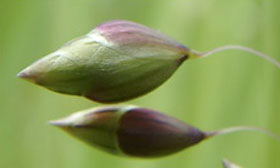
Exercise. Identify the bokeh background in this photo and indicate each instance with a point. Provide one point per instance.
(227, 89)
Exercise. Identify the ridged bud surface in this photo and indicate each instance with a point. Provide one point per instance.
(147, 133)
(131, 131)
(116, 61)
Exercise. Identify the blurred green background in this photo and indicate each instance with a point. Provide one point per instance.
(226, 89)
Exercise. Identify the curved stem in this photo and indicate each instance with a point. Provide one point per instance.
(242, 128)
(237, 47)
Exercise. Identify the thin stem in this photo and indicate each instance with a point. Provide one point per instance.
(242, 128)
(237, 47)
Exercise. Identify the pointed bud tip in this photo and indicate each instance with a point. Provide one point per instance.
(67, 121)
(25, 74)
(29, 75)
(22, 74)
(228, 164)
(58, 123)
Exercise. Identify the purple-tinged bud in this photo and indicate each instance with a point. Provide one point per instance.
(116, 61)
(131, 131)
(138, 132)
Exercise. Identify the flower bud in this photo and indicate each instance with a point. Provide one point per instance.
(116, 61)
(131, 131)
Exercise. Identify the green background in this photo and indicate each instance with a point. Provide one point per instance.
(226, 89)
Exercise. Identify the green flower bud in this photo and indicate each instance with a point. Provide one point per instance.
(116, 61)
(131, 131)
(138, 132)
